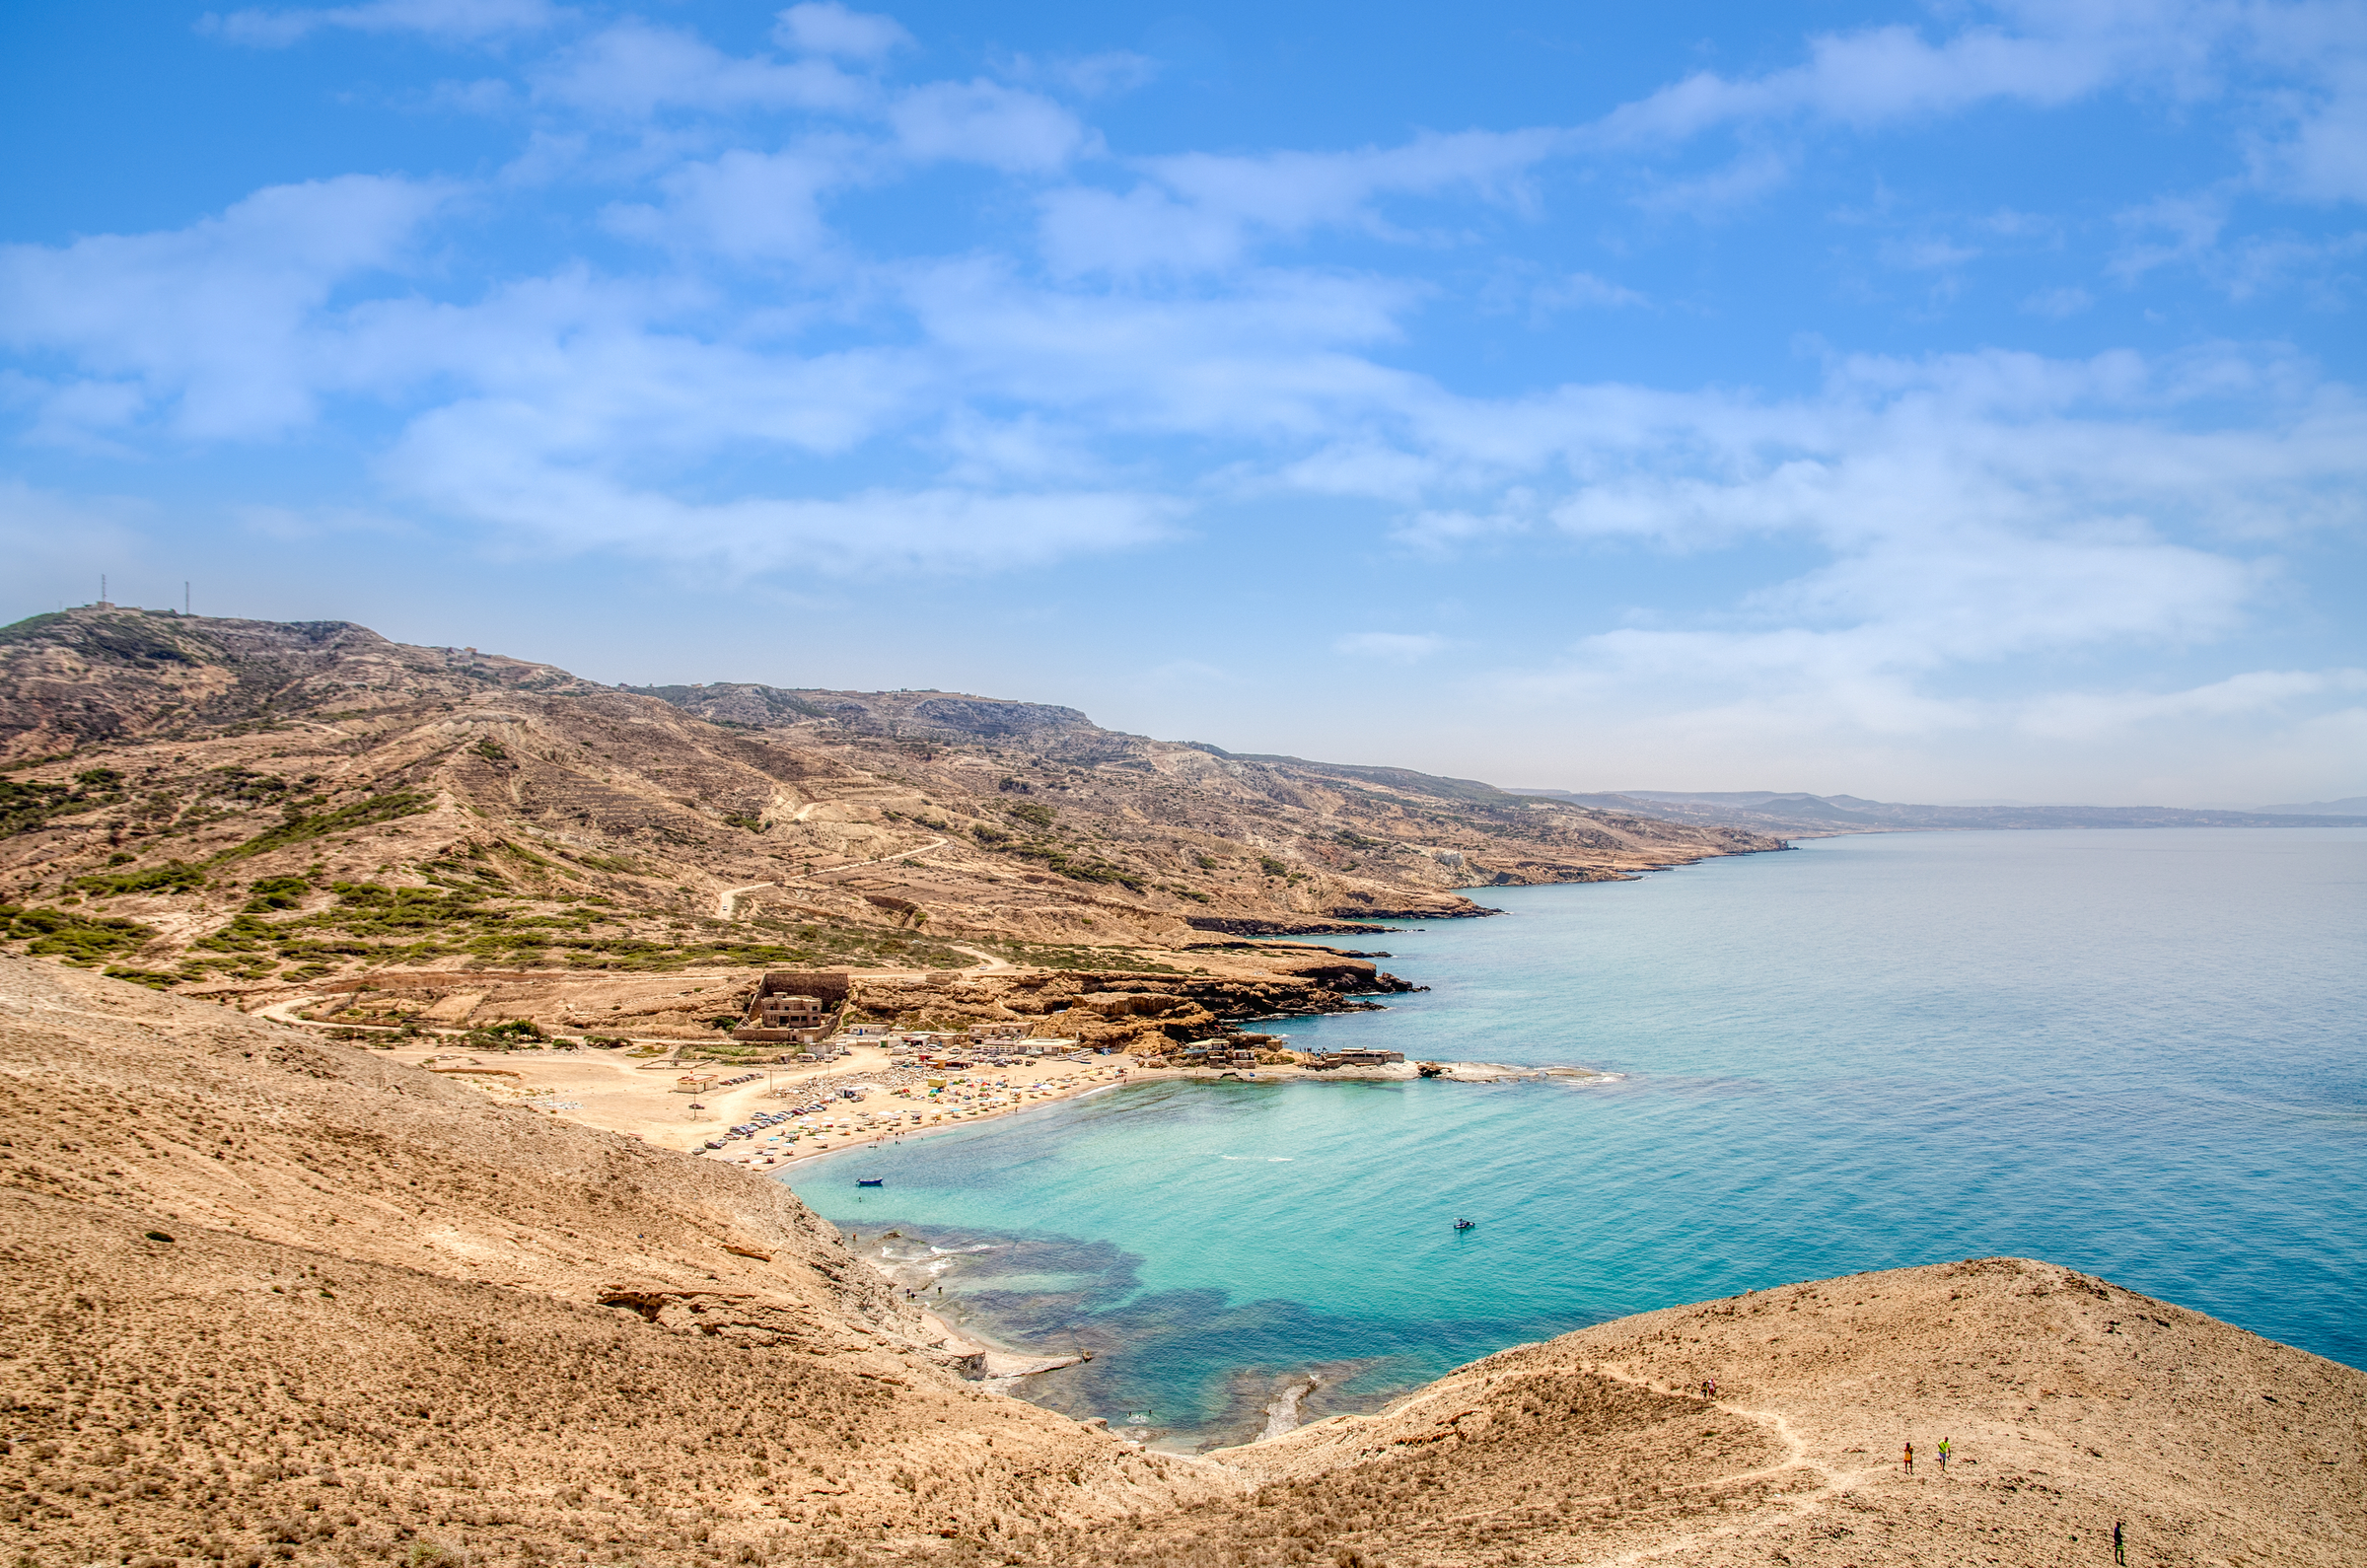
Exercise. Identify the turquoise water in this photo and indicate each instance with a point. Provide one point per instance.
(2142, 1054)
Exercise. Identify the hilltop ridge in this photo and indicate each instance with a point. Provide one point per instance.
(244, 804)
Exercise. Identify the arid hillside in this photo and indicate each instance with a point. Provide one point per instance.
(241, 805)
(270, 1298)
(266, 1290)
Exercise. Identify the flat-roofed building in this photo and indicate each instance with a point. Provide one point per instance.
(789, 1012)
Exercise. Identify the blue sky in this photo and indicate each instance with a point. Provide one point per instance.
(1936, 402)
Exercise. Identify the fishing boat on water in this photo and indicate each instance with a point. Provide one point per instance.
(871, 1181)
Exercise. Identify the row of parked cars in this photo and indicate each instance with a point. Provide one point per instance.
(773, 1119)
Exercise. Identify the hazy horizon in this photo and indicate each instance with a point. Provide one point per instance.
(1925, 403)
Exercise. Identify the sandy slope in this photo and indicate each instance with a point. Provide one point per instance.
(392, 1312)
(2070, 1404)
(381, 1320)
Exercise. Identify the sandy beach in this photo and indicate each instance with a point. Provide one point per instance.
(800, 1111)
(860, 1097)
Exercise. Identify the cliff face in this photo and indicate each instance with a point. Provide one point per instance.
(267, 1292)
(246, 803)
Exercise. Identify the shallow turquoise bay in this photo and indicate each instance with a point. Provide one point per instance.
(2143, 1054)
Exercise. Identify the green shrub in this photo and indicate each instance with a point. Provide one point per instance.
(76, 937)
(25, 807)
(277, 893)
(171, 877)
(302, 826)
(150, 979)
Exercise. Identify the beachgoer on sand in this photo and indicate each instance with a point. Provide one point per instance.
(1943, 1455)
(1908, 1463)
(2119, 1542)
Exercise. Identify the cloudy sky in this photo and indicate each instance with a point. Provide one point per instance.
(1935, 403)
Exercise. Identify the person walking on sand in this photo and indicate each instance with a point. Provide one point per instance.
(1908, 1463)
(1943, 1455)
(2119, 1542)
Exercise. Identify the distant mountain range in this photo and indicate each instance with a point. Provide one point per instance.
(1777, 811)
(2348, 806)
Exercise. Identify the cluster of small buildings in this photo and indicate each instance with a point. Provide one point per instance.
(1203, 1052)
(793, 1008)
(1353, 1058)
(1227, 1053)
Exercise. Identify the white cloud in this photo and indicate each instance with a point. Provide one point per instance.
(2325, 157)
(447, 20)
(828, 28)
(221, 320)
(1396, 646)
(1582, 290)
(489, 94)
(1755, 174)
(878, 530)
(2170, 229)
(632, 70)
(1199, 211)
(1102, 75)
(2058, 304)
(1885, 74)
(984, 122)
(1265, 360)
(2258, 693)
(1924, 255)
(2190, 230)
(1143, 230)
(2321, 105)
(747, 205)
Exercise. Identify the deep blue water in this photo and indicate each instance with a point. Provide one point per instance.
(2139, 1053)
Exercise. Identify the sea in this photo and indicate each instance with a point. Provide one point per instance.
(2139, 1054)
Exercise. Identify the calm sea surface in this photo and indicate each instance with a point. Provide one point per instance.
(2139, 1053)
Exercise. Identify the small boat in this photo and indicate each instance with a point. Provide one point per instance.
(871, 1181)
(1466, 1225)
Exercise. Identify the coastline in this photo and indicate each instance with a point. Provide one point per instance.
(1015, 1340)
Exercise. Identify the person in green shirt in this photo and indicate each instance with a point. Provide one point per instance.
(1943, 1455)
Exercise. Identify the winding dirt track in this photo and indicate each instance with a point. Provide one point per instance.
(727, 902)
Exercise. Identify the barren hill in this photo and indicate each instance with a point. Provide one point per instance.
(242, 804)
(272, 1297)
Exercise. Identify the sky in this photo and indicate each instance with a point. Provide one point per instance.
(1954, 402)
